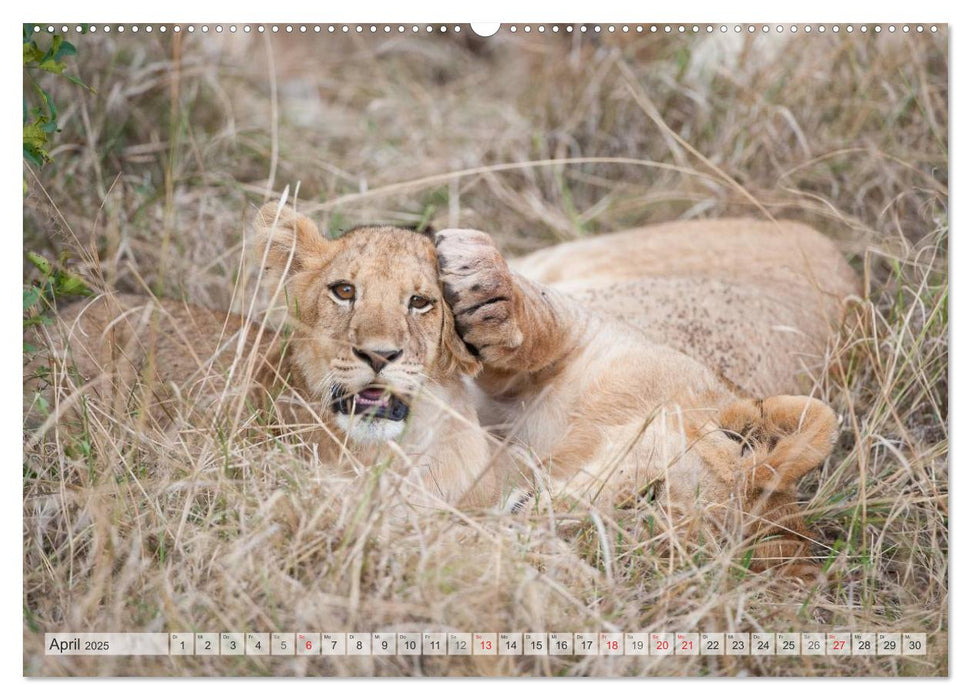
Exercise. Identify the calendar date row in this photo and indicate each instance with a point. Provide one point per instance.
(489, 644)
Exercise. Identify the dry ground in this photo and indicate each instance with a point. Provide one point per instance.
(536, 139)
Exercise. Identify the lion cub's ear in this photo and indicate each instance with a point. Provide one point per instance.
(286, 242)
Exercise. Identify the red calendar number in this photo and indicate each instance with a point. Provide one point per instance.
(662, 645)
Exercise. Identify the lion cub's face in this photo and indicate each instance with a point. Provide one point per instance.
(370, 324)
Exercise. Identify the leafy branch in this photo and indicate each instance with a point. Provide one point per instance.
(40, 120)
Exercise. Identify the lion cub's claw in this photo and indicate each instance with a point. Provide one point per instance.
(480, 290)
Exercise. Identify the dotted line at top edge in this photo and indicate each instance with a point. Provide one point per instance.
(511, 28)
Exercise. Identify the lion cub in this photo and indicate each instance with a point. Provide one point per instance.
(371, 365)
(604, 364)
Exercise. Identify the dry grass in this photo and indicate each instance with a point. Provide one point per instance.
(128, 526)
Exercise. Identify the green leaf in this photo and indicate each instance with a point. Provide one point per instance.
(34, 135)
(31, 296)
(35, 142)
(65, 48)
(32, 54)
(52, 66)
(56, 42)
(38, 320)
(72, 284)
(36, 157)
(40, 262)
(77, 81)
(48, 101)
(747, 559)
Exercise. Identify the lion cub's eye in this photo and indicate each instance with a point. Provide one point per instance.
(343, 291)
(419, 303)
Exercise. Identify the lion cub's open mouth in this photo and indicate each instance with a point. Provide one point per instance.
(372, 402)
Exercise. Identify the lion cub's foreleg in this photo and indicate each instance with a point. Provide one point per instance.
(781, 438)
(510, 323)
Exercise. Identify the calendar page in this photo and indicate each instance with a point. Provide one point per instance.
(516, 349)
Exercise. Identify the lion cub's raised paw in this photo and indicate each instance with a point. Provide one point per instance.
(480, 289)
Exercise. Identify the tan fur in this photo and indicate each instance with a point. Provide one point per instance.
(754, 301)
(629, 360)
(585, 365)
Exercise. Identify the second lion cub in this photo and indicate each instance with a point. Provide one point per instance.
(665, 357)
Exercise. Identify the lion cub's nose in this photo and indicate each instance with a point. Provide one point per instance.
(377, 359)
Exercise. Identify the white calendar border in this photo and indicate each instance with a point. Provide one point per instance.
(506, 10)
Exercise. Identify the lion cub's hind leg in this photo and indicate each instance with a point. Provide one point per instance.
(781, 439)
(787, 436)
